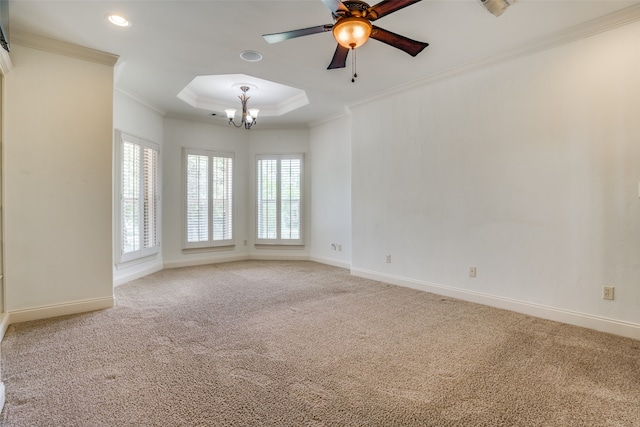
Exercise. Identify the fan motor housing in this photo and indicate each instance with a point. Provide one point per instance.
(356, 6)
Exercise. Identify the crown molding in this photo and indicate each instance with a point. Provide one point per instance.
(603, 24)
(63, 48)
(206, 119)
(140, 100)
(298, 100)
(328, 119)
(222, 121)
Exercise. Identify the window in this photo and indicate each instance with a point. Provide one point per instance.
(139, 197)
(208, 198)
(279, 199)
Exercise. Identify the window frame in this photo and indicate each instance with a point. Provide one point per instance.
(210, 242)
(279, 240)
(123, 138)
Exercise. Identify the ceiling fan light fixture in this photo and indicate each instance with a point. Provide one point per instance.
(352, 32)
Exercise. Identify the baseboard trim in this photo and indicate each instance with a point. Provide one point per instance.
(1, 395)
(121, 280)
(257, 257)
(331, 262)
(55, 310)
(273, 257)
(4, 324)
(205, 261)
(598, 323)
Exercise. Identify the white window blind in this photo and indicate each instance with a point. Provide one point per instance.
(139, 197)
(130, 212)
(197, 198)
(208, 198)
(267, 199)
(151, 202)
(222, 198)
(279, 199)
(290, 180)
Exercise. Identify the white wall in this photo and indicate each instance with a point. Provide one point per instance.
(188, 134)
(283, 141)
(527, 170)
(134, 118)
(58, 237)
(330, 164)
(137, 119)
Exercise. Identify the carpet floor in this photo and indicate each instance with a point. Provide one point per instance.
(269, 343)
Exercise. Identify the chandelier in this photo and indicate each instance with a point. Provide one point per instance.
(249, 115)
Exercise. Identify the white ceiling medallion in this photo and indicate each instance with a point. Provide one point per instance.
(251, 86)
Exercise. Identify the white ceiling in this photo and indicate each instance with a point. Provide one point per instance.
(172, 42)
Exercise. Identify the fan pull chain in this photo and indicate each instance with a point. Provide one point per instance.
(353, 66)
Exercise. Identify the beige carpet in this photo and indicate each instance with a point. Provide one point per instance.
(302, 344)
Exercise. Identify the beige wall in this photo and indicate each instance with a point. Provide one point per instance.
(58, 167)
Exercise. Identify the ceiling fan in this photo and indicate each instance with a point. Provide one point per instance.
(352, 27)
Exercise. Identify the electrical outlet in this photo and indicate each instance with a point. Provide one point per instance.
(388, 259)
(472, 272)
(607, 292)
(339, 248)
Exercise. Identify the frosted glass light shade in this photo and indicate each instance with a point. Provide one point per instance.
(231, 113)
(253, 112)
(352, 32)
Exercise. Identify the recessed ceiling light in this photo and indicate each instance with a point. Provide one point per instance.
(251, 55)
(118, 20)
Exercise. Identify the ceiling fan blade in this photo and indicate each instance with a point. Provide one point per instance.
(339, 58)
(335, 6)
(412, 47)
(286, 35)
(386, 7)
